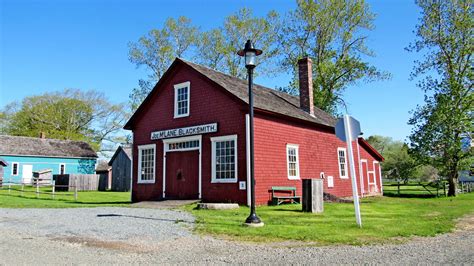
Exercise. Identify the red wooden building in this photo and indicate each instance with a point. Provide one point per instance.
(190, 140)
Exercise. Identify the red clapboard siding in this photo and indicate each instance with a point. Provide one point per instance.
(208, 104)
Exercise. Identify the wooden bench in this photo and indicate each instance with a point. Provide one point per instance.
(277, 200)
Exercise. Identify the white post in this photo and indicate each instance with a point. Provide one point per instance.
(37, 188)
(54, 187)
(9, 184)
(355, 194)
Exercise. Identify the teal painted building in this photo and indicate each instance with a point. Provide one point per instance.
(26, 155)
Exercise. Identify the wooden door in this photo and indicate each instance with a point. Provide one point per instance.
(27, 171)
(182, 175)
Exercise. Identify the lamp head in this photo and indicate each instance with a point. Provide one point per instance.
(250, 54)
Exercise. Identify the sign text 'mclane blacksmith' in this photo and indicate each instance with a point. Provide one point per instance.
(184, 131)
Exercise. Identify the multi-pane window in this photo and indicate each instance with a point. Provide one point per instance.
(293, 163)
(181, 99)
(342, 160)
(14, 168)
(224, 159)
(183, 145)
(146, 164)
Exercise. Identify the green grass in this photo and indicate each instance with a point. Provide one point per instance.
(14, 199)
(384, 220)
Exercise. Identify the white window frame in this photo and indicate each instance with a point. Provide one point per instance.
(186, 84)
(17, 168)
(63, 164)
(346, 176)
(139, 177)
(296, 147)
(213, 158)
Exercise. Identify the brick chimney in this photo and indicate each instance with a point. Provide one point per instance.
(305, 72)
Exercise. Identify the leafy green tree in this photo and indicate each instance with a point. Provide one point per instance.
(333, 33)
(445, 37)
(69, 115)
(157, 50)
(218, 47)
(398, 164)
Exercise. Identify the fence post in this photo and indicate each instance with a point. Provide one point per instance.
(37, 189)
(22, 188)
(54, 188)
(398, 183)
(444, 188)
(75, 188)
(9, 184)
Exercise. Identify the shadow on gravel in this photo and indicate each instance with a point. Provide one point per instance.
(145, 218)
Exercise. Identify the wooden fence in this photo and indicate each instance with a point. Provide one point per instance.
(81, 182)
(22, 188)
(415, 188)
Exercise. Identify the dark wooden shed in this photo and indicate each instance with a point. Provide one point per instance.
(3, 163)
(121, 163)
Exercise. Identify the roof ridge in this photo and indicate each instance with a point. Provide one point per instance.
(37, 138)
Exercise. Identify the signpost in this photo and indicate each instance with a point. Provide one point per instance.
(348, 129)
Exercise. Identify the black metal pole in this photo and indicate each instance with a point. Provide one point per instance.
(253, 218)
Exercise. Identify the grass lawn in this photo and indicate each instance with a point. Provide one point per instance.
(384, 220)
(62, 199)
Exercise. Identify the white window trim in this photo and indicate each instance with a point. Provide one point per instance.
(176, 87)
(213, 158)
(17, 168)
(140, 148)
(297, 176)
(345, 163)
(64, 168)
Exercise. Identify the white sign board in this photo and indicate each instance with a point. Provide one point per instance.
(184, 131)
(353, 125)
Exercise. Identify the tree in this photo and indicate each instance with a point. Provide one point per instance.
(445, 37)
(398, 164)
(333, 33)
(69, 115)
(157, 50)
(218, 47)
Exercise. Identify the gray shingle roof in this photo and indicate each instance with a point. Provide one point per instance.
(15, 145)
(264, 98)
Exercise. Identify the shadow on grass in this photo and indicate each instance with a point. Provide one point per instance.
(406, 195)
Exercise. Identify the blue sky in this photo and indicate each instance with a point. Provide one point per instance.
(51, 45)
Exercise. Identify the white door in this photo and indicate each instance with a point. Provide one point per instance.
(27, 174)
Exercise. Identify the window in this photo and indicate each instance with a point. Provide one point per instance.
(181, 99)
(14, 168)
(293, 162)
(146, 163)
(62, 169)
(224, 159)
(342, 161)
(183, 145)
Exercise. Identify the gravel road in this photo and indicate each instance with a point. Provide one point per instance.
(152, 236)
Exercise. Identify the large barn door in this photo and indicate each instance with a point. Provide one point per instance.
(182, 175)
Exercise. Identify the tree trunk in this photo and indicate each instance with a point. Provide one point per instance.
(453, 182)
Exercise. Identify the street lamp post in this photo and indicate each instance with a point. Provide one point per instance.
(250, 54)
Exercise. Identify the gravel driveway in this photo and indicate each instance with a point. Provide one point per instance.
(151, 236)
